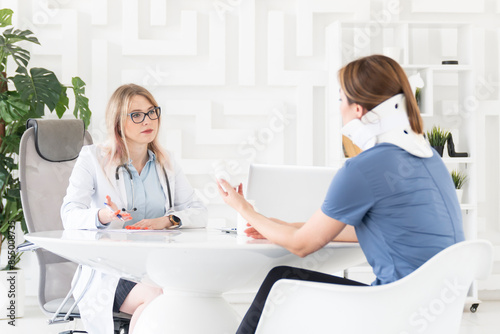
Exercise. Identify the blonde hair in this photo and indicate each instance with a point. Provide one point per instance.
(116, 115)
(371, 80)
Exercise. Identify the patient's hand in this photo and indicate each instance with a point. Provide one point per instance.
(253, 233)
(233, 196)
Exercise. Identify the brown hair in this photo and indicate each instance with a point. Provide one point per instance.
(116, 116)
(371, 80)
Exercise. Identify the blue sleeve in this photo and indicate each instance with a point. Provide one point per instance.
(349, 196)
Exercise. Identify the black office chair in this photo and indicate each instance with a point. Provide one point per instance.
(47, 154)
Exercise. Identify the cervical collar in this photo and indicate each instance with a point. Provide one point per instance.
(387, 123)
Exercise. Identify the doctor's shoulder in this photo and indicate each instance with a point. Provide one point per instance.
(87, 150)
(86, 153)
(92, 156)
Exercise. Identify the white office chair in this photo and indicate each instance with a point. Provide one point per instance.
(47, 154)
(429, 300)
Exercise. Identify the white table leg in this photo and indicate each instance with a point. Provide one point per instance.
(188, 313)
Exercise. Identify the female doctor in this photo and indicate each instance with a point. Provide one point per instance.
(397, 193)
(133, 178)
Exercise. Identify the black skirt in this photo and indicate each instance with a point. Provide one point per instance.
(122, 290)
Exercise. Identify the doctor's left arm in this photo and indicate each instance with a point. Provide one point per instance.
(76, 210)
(187, 206)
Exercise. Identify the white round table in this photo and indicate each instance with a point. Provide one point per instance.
(193, 266)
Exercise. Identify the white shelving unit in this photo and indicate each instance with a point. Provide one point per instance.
(447, 99)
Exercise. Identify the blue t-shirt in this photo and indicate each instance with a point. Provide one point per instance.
(404, 208)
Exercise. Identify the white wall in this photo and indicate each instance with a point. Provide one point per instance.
(243, 80)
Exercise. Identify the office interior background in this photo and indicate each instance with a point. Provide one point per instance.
(249, 81)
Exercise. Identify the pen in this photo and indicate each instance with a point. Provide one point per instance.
(109, 208)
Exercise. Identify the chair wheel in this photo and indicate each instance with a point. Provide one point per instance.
(473, 308)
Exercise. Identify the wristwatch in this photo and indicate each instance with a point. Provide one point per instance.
(176, 221)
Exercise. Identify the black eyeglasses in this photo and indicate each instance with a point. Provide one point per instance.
(139, 116)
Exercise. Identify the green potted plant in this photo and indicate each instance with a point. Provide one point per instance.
(459, 179)
(26, 94)
(437, 138)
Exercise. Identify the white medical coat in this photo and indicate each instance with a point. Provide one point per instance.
(90, 182)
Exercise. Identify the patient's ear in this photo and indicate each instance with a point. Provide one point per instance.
(360, 110)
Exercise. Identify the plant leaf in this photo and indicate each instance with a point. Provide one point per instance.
(14, 132)
(7, 48)
(6, 17)
(4, 173)
(38, 89)
(437, 136)
(12, 108)
(63, 103)
(82, 109)
(15, 35)
(10, 143)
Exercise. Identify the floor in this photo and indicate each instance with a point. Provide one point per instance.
(485, 321)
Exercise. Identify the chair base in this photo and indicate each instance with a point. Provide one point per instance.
(121, 326)
(187, 313)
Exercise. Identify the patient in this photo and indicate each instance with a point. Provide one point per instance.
(397, 194)
(131, 181)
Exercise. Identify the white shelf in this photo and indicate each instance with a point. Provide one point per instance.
(466, 207)
(458, 160)
(438, 68)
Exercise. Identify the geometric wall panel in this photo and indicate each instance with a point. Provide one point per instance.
(448, 6)
(244, 81)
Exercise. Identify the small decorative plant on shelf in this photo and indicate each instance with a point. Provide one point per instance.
(459, 179)
(417, 83)
(28, 93)
(418, 96)
(437, 138)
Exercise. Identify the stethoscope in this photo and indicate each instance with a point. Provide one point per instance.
(117, 177)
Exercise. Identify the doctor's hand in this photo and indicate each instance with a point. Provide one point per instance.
(151, 224)
(110, 212)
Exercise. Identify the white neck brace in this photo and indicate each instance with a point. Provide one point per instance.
(387, 123)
